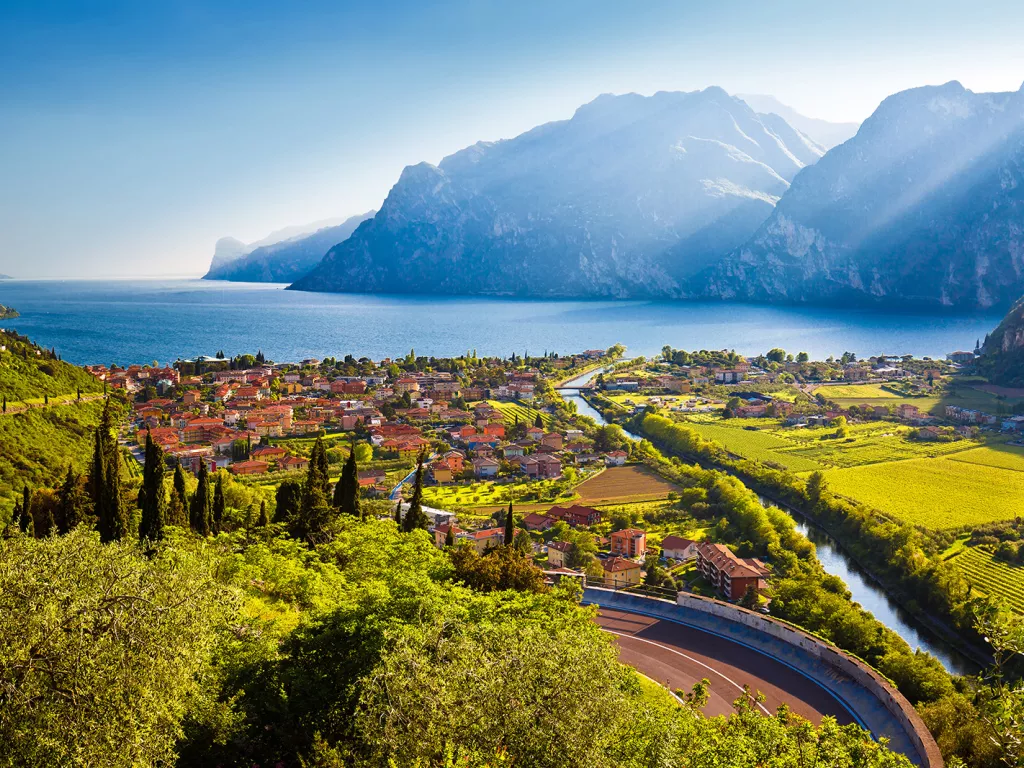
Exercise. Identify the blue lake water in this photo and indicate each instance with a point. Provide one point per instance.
(137, 321)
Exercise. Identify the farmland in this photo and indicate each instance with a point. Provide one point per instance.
(855, 392)
(624, 484)
(1002, 456)
(936, 493)
(999, 579)
(487, 493)
(760, 444)
(513, 411)
(805, 450)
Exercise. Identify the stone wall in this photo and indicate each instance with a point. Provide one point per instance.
(854, 669)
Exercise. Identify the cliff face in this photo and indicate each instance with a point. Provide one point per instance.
(286, 261)
(1002, 358)
(628, 198)
(925, 205)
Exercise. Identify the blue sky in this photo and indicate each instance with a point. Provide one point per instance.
(134, 134)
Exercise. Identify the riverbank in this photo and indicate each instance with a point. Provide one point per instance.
(943, 643)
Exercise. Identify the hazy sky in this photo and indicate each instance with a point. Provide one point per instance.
(134, 134)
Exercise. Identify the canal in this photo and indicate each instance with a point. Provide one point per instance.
(836, 562)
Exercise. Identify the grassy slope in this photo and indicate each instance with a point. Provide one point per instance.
(28, 372)
(38, 445)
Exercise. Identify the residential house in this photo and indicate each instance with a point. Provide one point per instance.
(620, 572)
(577, 516)
(484, 466)
(441, 472)
(484, 539)
(616, 458)
(293, 463)
(730, 574)
(441, 533)
(557, 552)
(678, 548)
(552, 440)
(252, 467)
(629, 542)
(537, 522)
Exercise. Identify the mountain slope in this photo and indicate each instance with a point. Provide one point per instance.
(822, 132)
(286, 261)
(627, 198)
(1002, 358)
(924, 206)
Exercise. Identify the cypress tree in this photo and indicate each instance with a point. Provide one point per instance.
(151, 526)
(346, 492)
(415, 517)
(510, 528)
(263, 521)
(314, 491)
(114, 513)
(25, 521)
(538, 422)
(70, 504)
(449, 538)
(176, 510)
(97, 473)
(398, 513)
(49, 525)
(218, 504)
(323, 469)
(199, 509)
(289, 500)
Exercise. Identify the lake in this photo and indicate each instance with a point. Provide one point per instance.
(138, 321)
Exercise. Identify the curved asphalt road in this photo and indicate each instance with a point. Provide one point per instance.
(679, 656)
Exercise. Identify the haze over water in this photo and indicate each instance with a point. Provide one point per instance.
(140, 321)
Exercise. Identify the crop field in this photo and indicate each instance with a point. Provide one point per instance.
(759, 445)
(525, 414)
(937, 493)
(805, 450)
(624, 484)
(855, 391)
(992, 577)
(489, 494)
(1001, 456)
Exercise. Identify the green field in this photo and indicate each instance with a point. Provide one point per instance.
(759, 445)
(1002, 456)
(937, 493)
(804, 450)
(993, 577)
(856, 392)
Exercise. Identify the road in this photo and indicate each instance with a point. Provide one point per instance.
(679, 656)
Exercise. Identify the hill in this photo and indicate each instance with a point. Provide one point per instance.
(284, 261)
(1002, 359)
(922, 207)
(27, 371)
(627, 198)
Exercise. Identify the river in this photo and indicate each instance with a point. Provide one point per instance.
(836, 562)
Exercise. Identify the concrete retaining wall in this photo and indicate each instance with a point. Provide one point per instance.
(687, 605)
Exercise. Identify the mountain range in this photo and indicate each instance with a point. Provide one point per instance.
(281, 257)
(924, 206)
(700, 195)
(630, 197)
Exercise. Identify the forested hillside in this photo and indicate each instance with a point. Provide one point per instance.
(254, 649)
(27, 371)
